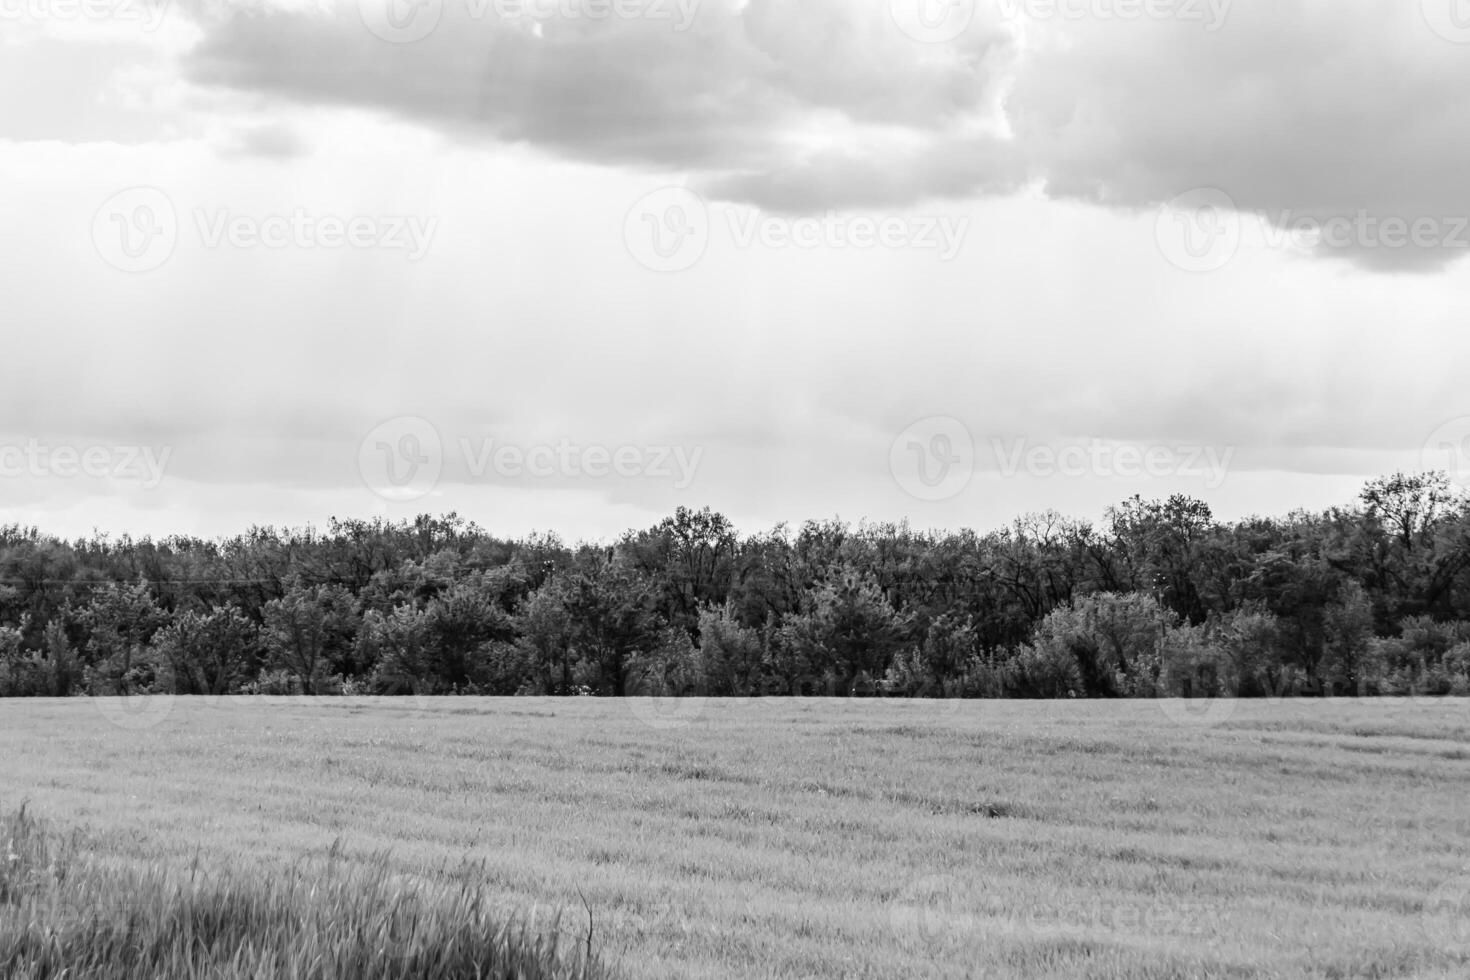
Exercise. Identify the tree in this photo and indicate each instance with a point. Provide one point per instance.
(1114, 639)
(1249, 638)
(848, 630)
(1348, 632)
(731, 655)
(209, 653)
(461, 624)
(120, 622)
(397, 643)
(691, 557)
(612, 618)
(544, 636)
(310, 631)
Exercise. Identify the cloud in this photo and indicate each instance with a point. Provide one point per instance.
(765, 101)
(1296, 109)
(1300, 110)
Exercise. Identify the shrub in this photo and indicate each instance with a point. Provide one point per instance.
(1194, 667)
(1048, 671)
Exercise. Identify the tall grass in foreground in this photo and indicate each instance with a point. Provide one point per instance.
(63, 917)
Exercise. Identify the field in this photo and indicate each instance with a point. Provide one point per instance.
(825, 838)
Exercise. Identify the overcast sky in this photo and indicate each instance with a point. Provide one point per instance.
(566, 264)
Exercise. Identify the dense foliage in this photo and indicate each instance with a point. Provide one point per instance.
(1159, 599)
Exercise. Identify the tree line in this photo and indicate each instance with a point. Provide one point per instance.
(1157, 599)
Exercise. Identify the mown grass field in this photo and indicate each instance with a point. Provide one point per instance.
(832, 839)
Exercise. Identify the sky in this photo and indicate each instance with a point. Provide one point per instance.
(565, 265)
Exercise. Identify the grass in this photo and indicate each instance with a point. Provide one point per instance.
(62, 918)
(811, 838)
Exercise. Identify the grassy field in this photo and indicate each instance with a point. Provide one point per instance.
(831, 839)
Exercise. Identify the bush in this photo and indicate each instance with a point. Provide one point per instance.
(1112, 639)
(275, 683)
(1194, 667)
(1048, 671)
